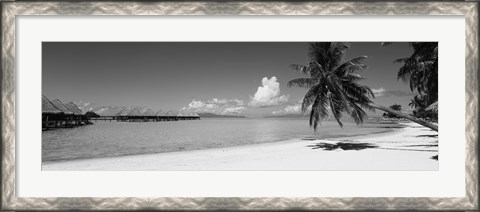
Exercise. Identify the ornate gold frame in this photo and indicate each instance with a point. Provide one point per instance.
(11, 9)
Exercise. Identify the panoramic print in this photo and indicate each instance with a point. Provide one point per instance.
(240, 106)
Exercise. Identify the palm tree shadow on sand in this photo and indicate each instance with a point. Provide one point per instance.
(343, 146)
(427, 136)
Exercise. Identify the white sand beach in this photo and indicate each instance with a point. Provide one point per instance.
(409, 148)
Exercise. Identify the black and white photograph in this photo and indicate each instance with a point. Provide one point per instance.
(240, 106)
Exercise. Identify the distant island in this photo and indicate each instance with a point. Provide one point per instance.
(288, 116)
(212, 115)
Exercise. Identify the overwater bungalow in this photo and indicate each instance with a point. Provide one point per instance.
(135, 115)
(161, 116)
(57, 115)
(149, 115)
(58, 104)
(51, 116)
(122, 115)
(181, 116)
(193, 116)
(68, 114)
(123, 112)
(171, 116)
(79, 116)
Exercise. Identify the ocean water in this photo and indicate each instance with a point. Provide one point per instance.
(109, 139)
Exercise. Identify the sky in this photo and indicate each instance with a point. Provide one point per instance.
(230, 78)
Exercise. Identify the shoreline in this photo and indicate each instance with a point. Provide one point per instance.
(379, 151)
(330, 137)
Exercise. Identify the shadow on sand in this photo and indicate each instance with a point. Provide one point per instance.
(385, 127)
(425, 145)
(428, 136)
(309, 139)
(342, 145)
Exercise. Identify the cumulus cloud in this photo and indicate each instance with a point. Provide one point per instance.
(226, 101)
(196, 104)
(382, 92)
(290, 109)
(278, 112)
(379, 91)
(101, 110)
(85, 106)
(268, 94)
(293, 109)
(215, 105)
(233, 110)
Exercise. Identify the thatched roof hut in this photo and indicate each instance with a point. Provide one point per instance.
(193, 114)
(48, 107)
(180, 114)
(135, 112)
(170, 113)
(72, 107)
(160, 113)
(58, 104)
(149, 112)
(123, 112)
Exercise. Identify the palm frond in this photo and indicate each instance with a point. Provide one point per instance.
(318, 52)
(302, 82)
(336, 110)
(337, 54)
(386, 43)
(316, 70)
(310, 96)
(404, 73)
(366, 106)
(402, 60)
(314, 119)
(319, 111)
(335, 87)
(357, 113)
(300, 68)
(352, 77)
(355, 64)
(358, 92)
(419, 70)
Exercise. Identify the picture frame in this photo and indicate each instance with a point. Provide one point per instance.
(11, 10)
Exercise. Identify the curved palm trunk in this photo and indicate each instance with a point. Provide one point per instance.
(403, 115)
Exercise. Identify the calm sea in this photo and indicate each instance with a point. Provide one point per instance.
(107, 139)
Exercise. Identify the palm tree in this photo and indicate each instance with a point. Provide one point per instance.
(333, 85)
(418, 102)
(420, 70)
(413, 104)
(423, 109)
(395, 107)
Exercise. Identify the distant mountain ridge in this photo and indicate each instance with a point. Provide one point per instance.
(288, 116)
(212, 115)
(112, 110)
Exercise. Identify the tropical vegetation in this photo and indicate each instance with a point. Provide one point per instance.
(333, 85)
(395, 107)
(420, 71)
(91, 114)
